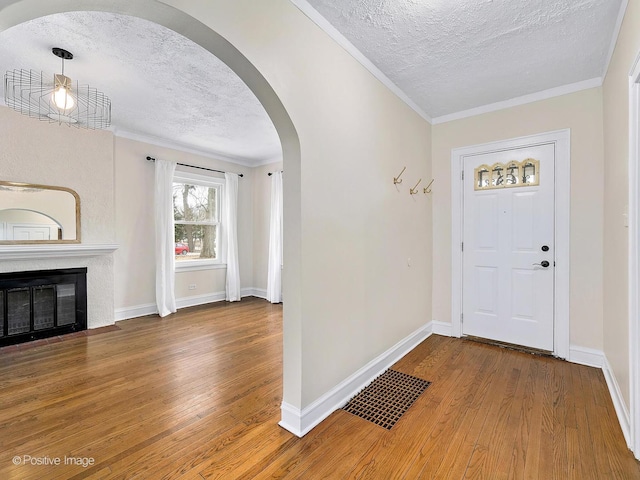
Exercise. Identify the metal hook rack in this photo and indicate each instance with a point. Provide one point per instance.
(427, 189)
(397, 180)
(414, 190)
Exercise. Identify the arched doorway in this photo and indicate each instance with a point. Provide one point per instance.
(14, 12)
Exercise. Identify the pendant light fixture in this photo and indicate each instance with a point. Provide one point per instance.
(62, 85)
(60, 101)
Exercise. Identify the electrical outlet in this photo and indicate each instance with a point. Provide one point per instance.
(192, 286)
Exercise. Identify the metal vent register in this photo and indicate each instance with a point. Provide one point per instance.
(387, 398)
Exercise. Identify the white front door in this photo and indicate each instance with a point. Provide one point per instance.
(508, 246)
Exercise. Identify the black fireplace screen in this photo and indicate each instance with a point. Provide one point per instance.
(42, 304)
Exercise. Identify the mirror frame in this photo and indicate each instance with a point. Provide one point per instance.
(46, 187)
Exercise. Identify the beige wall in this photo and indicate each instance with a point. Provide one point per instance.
(582, 113)
(59, 155)
(38, 152)
(120, 210)
(616, 143)
(351, 293)
(357, 296)
(357, 293)
(135, 259)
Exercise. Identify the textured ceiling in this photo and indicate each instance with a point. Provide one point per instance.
(160, 84)
(449, 56)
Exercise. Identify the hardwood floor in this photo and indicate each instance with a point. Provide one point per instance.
(197, 395)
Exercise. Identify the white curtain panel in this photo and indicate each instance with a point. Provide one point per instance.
(230, 226)
(164, 238)
(274, 279)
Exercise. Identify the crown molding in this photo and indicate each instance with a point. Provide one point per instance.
(351, 49)
(514, 102)
(268, 161)
(160, 142)
(614, 37)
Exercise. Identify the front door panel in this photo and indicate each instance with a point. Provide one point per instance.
(508, 256)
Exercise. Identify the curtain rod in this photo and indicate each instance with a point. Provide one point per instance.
(151, 159)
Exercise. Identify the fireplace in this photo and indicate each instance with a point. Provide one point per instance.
(41, 304)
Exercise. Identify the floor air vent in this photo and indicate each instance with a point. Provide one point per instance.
(387, 398)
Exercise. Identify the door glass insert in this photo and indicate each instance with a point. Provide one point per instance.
(513, 173)
(482, 177)
(497, 177)
(507, 175)
(530, 172)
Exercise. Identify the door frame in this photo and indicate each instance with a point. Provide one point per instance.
(561, 140)
(634, 257)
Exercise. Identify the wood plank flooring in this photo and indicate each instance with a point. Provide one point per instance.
(197, 395)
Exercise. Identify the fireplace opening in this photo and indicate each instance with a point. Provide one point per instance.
(42, 304)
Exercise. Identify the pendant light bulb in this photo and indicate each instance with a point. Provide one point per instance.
(61, 96)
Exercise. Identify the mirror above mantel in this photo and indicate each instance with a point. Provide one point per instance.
(38, 214)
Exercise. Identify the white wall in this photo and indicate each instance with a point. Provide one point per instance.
(49, 154)
(582, 113)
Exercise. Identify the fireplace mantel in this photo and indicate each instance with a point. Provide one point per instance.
(34, 252)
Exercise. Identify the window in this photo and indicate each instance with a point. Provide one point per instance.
(514, 174)
(196, 210)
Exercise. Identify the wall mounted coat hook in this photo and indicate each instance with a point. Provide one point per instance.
(414, 190)
(427, 189)
(397, 180)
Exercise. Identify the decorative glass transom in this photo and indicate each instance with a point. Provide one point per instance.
(505, 175)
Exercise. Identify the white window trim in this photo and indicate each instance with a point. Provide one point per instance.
(182, 176)
(197, 265)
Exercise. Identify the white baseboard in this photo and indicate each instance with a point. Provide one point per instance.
(618, 401)
(291, 419)
(586, 356)
(596, 358)
(135, 311)
(151, 309)
(194, 300)
(254, 292)
(442, 328)
(299, 422)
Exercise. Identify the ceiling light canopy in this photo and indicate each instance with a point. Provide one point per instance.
(33, 94)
